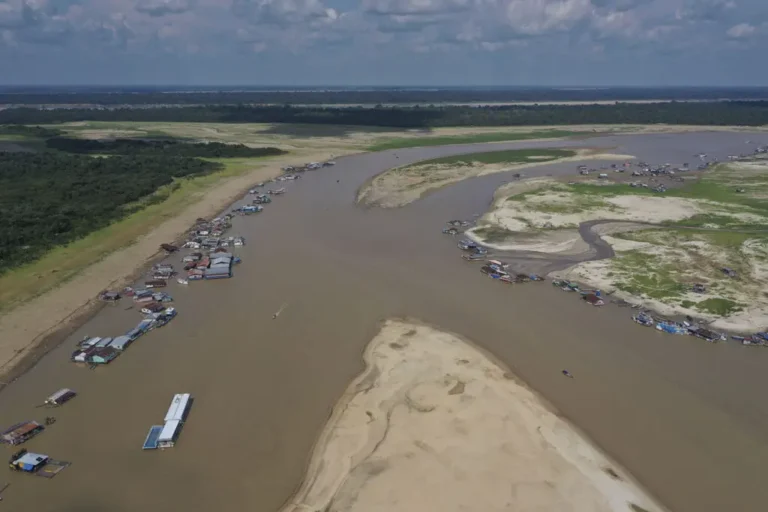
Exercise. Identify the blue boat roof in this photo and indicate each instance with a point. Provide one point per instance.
(150, 443)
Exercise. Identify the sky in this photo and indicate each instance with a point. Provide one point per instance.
(384, 42)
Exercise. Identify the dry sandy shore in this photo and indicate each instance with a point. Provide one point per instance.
(434, 424)
(401, 186)
(23, 329)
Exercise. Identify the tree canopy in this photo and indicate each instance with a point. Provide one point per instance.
(49, 199)
(158, 148)
(749, 113)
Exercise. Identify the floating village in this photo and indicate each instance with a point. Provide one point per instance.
(208, 254)
(500, 271)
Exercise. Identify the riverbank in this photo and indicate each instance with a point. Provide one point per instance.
(403, 185)
(68, 285)
(433, 423)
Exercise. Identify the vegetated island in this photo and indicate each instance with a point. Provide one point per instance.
(434, 424)
(698, 249)
(402, 185)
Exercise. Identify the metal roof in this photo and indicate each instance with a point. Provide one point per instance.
(120, 342)
(31, 458)
(178, 407)
(169, 431)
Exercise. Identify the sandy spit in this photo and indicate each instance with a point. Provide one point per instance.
(398, 187)
(434, 424)
(37, 325)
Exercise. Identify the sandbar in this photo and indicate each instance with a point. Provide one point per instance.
(433, 423)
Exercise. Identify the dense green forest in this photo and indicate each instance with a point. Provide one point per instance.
(28, 131)
(365, 96)
(158, 147)
(752, 113)
(48, 199)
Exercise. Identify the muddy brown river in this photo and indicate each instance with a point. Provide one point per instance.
(688, 419)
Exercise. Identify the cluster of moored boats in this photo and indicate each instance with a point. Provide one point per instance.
(648, 319)
(660, 323)
(474, 252)
(209, 258)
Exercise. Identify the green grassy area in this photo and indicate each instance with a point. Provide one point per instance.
(648, 275)
(575, 203)
(667, 278)
(25, 141)
(718, 306)
(493, 234)
(416, 142)
(512, 156)
(63, 263)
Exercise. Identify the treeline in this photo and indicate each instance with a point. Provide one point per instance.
(158, 148)
(750, 113)
(28, 131)
(49, 199)
(372, 96)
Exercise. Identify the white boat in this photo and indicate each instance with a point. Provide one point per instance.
(182, 281)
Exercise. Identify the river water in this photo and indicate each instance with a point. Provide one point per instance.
(687, 418)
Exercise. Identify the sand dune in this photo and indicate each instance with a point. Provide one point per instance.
(434, 424)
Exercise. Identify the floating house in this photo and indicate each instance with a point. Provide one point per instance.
(90, 342)
(60, 397)
(81, 356)
(36, 464)
(219, 272)
(165, 436)
(121, 342)
(27, 461)
(102, 355)
(21, 432)
(108, 296)
(103, 342)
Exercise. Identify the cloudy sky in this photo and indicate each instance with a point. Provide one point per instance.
(384, 42)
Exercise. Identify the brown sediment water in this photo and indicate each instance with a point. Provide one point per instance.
(686, 418)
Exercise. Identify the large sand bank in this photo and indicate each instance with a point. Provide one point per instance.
(403, 185)
(434, 424)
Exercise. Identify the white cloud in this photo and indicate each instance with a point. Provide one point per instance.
(415, 7)
(283, 12)
(164, 7)
(741, 31)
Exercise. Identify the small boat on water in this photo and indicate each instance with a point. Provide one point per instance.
(181, 280)
(499, 264)
(466, 245)
(60, 397)
(593, 299)
(672, 328)
(566, 285)
(643, 319)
